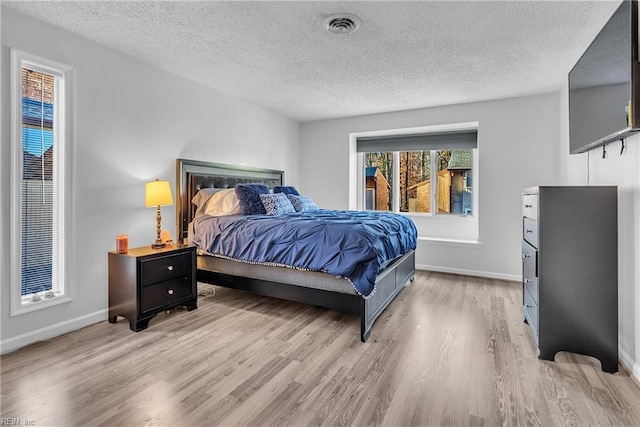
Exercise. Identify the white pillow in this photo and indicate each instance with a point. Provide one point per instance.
(202, 197)
(224, 202)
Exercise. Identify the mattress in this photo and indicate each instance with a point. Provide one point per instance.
(308, 279)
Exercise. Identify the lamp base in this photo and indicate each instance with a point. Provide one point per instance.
(158, 245)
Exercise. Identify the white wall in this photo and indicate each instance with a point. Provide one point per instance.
(131, 122)
(517, 140)
(622, 170)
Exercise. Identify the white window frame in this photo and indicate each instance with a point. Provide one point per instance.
(62, 129)
(442, 227)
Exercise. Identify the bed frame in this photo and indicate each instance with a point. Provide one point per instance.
(192, 175)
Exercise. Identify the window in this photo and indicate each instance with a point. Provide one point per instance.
(419, 173)
(39, 146)
(378, 174)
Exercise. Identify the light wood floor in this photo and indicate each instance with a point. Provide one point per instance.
(451, 350)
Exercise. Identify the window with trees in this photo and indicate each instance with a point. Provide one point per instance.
(424, 173)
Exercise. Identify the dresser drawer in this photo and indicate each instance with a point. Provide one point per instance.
(531, 313)
(531, 286)
(164, 268)
(530, 206)
(529, 261)
(530, 231)
(166, 293)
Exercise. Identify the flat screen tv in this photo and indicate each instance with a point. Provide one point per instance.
(604, 91)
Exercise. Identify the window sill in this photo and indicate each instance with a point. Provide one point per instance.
(40, 305)
(463, 243)
(444, 229)
(439, 217)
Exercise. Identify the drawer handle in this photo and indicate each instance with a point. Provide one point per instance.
(528, 306)
(526, 256)
(170, 291)
(528, 206)
(527, 281)
(170, 268)
(528, 231)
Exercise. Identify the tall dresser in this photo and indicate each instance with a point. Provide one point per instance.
(570, 271)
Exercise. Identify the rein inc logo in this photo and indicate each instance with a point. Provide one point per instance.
(16, 422)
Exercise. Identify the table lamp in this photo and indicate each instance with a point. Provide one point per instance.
(158, 193)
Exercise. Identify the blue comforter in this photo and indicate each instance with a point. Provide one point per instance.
(352, 244)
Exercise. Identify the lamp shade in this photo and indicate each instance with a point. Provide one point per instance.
(157, 193)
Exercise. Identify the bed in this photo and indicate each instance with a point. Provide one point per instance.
(281, 280)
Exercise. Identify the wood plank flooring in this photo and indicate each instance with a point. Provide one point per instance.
(450, 350)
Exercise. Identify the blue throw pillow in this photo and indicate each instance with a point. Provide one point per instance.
(249, 198)
(285, 189)
(276, 204)
(302, 203)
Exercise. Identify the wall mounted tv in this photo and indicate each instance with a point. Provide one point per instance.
(604, 85)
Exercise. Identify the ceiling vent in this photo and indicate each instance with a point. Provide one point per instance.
(343, 23)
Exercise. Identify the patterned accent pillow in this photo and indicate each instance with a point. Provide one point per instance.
(286, 190)
(302, 203)
(249, 197)
(276, 204)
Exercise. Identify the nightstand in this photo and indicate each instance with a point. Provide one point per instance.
(145, 281)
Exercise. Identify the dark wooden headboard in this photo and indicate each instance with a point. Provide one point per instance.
(193, 175)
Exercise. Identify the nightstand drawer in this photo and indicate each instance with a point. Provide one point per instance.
(166, 267)
(166, 293)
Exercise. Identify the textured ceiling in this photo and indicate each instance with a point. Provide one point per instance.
(405, 55)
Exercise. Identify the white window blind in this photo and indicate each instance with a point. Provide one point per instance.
(450, 140)
(40, 201)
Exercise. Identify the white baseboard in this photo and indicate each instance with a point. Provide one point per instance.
(488, 274)
(48, 332)
(627, 362)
